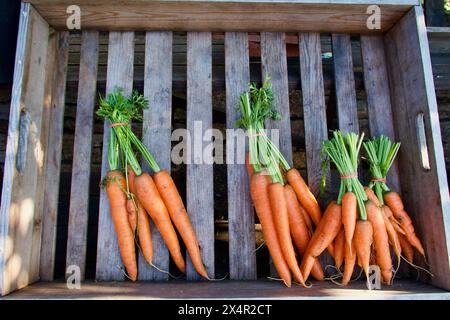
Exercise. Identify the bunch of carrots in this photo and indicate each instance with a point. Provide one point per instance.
(356, 229)
(364, 222)
(286, 208)
(135, 196)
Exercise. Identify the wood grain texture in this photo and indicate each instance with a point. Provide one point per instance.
(81, 167)
(199, 184)
(53, 158)
(345, 83)
(412, 93)
(245, 16)
(120, 75)
(230, 290)
(157, 131)
(314, 108)
(378, 96)
(241, 220)
(18, 202)
(46, 113)
(274, 64)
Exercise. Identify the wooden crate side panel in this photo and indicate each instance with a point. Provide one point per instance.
(379, 106)
(157, 131)
(81, 168)
(24, 154)
(53, 159)
(199, 184)
(245, 16)
(425, 192)
(119, 75)
(241, 219)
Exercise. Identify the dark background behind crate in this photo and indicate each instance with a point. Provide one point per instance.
(440, 54)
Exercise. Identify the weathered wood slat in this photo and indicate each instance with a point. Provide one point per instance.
(314, 113)
(378, 96)
(412, 92)
(314, 108)
(241, 218)
(345, 83)
(81, 168)
(245, 16)
(199, 186)
(260, 290)
(120, 74)
(274, 64)
(18, 201)
(53, 158)
(46, 113)
(157, 131)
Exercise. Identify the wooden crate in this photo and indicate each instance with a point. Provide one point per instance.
(400, 99)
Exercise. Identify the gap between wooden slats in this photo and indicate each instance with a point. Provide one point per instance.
(157, 131)
(79, 191)
(53, 159)
(199, 186)
(241, 220)
(376, 84)
(274, 64)
(119, 74)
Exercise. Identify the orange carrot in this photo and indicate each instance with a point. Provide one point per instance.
(388, 213)
(380, 240)
(259, 184)
(145, 234)
(349, 215)
(131, 206)
(249, 166)
(349, 262)
(143, 224)
(148, 195)
(304, 195)
(299, 230)
(180, 218)
(281, 220)
(132, 214)
(115, 189)
(395, 203)
(407, 249)
(392, 234)
(339, 249)
(363, 239)
(371, 196)
(325, 233)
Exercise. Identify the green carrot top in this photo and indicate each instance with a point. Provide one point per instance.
(381, 152)
(343, 151)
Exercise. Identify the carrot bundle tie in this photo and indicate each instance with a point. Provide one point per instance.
(383, 180)
(119, 124)
(353, 175)
(257, 134)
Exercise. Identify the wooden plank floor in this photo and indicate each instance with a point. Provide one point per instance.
(401, 290)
